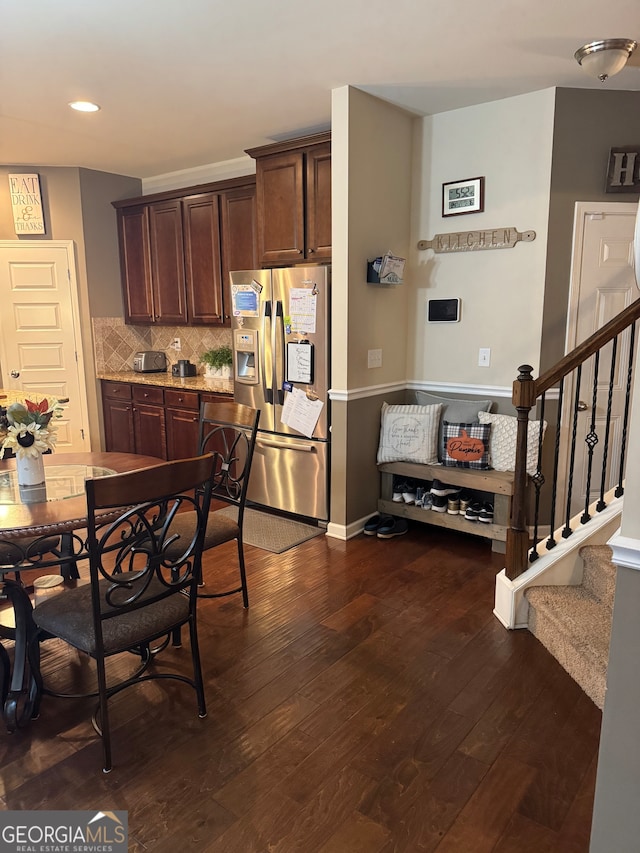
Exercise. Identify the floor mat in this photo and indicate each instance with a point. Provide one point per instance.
(272, 532)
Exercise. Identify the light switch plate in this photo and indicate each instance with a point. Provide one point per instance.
(374, 358)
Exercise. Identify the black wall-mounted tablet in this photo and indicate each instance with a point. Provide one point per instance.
(443, 310)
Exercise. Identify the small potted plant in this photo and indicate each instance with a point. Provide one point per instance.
(218, 362)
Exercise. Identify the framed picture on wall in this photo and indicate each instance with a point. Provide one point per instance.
(460, 197)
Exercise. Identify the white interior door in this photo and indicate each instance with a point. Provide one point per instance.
(602, 284)
(40, 344)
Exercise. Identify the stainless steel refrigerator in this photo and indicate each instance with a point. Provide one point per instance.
(280, 338)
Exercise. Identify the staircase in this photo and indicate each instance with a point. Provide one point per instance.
(574, 622)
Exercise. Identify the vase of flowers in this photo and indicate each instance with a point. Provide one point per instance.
(218, 362)
(27, 431)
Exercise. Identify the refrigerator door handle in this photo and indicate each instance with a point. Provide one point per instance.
(266, 442)
(278, 381)
(267, 392)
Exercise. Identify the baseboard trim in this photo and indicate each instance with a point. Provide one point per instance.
(626, 551)
(347, 531)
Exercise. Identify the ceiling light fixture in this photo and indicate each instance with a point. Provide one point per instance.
(84, 106)
(603, 59)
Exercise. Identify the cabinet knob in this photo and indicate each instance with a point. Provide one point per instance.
(146, 394)
(300, 252)
(310, 251)
(195, 420)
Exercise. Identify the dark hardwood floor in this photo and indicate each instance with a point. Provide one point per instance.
(367, 702)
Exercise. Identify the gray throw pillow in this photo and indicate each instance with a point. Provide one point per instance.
(455, 411)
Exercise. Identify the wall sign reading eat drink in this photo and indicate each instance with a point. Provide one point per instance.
(26, 203)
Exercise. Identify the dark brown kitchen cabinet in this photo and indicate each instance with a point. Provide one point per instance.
(182, 409)
(117, 411)
(134, 419)
(201, 223)
(239, 229)
(149, 422)
(293, 192)
(152, 420)
(152, 266)
(177, 248)
(167, 263)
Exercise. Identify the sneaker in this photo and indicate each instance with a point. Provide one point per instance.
(439, 503)
(473, 511)
(486, 513)
(427, 501)
(419, 496)
(374, 523)
(453, 505)
(393, 527)
(409, 496)
(398, 489)
(465, 502)
(442, 490)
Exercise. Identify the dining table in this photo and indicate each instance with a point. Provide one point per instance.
(43, 527)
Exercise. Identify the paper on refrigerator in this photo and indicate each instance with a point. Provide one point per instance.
(301, 413)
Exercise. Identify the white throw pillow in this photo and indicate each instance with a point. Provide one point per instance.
(504, 432)
(409, 434)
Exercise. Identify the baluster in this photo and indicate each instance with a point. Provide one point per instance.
(627, 405)
(591, 439)
(605, 455)
(554, 482)
(572, 459)
(538, 482)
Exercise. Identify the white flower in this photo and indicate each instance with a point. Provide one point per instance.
(40, 437)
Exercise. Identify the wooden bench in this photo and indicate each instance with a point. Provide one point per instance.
(497, 486)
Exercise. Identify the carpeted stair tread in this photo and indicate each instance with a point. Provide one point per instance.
(599, 576)
(575, 627)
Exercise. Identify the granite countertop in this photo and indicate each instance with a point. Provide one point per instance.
(166, 380)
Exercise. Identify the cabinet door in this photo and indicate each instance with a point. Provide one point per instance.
(318, 206)
(167, 262)
(117, 411)
(239, 229)
(118, 425)
(182, 433)
(135, 264)
(280, 197)
(201, 222)
(149, 425)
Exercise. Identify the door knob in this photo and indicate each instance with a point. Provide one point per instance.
(582, 406)
(15, 374)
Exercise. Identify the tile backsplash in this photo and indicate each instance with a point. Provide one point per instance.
(115, 343)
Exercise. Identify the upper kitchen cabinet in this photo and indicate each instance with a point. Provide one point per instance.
(177, 248)
(293, 191)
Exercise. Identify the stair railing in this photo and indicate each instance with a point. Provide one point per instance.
(523, 534)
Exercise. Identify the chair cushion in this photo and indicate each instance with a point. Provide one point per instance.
(69, 616)
(220, 529)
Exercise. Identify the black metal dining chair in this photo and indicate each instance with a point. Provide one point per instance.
(142, 587)
(229, 431)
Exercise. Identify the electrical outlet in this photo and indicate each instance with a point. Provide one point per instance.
(484, 357)
(374, 358)
(176, 344)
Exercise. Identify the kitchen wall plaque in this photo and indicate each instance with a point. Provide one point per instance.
(26, 203)
(475, 241)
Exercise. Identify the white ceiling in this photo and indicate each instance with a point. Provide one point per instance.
(185, 83)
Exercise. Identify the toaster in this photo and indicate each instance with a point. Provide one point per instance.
(150, 361)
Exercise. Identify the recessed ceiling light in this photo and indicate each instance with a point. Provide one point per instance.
(84, 106)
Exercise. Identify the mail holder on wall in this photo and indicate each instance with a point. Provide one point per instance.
(387, 269)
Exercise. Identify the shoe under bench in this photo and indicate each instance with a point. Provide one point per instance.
(498, 486)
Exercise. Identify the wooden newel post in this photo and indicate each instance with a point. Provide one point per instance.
(523, 398)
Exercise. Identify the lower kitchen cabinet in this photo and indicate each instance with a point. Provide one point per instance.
(148, 419)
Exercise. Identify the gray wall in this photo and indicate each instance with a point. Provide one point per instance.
(588, 122)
